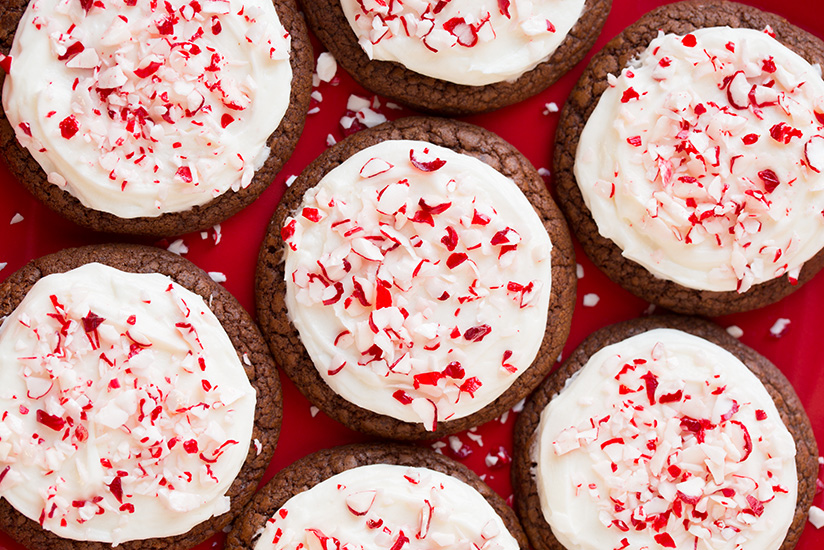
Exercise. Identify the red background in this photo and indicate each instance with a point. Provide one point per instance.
(797, 352)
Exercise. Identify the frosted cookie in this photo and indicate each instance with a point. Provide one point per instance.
(693, 174)
(416, 279)
(140, 405)
(664, 432)
(152, 117)
(376, 496)
(458, 56)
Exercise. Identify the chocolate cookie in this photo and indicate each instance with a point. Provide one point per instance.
(315, 468)
(280, 143)
(328, 22)
(285, 340)
(528, 503)
(679, 18)
(251, 350)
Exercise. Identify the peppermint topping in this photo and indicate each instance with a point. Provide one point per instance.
(137, 397)
(152, 102)
(387, 507)
(401, 274)
(714, 160)
(674, 446)
(473, 42)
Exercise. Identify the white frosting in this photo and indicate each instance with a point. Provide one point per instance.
(188, 98)
(464, 262)
(683, 459)
(471, 42)
(125, 377)
(387, 506)
(698, 172)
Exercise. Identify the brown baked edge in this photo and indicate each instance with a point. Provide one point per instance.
(527, 502)
(246, 339)
(284, 339)
(430, 95)
(281, 142)
(677, 18)
(311, 470)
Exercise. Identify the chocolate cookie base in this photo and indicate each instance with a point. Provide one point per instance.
(246, 339)
(281, 143)
(679, 18)
(431, 95)
(284, 339)
(786, 401)
(311, 470)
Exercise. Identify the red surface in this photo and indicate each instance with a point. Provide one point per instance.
(797, 353)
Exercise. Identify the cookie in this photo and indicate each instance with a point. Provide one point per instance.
(394, 294)
(463, 57)
(371, 493)
(669, 361)
(714, 182)
(176, 138)
(153, 381)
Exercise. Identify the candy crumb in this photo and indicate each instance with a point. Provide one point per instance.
(17, 218)
(779, 328)
(579, 271)
(313, 410)
(544, 172)
(3, 265)
(591, 300)
(178, 247)
(735, 331)
(290, 180)
(330, 140)
(551, 107)
(816, 517)
(217, 276)
(327, 67)
(258, 447)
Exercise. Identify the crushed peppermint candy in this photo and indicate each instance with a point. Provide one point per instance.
(178, 247)
(550, 107)
(779, 328)
(17, 218)
(816, 517)
(591, 299)
(217, 276)
(326, 67)
(735, 331)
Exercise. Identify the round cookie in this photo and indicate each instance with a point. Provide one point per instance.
(434, 95)
(244, 336)
(679, 18)
(285, 340)
(528, 502)
(313, 469)
(281, 142)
